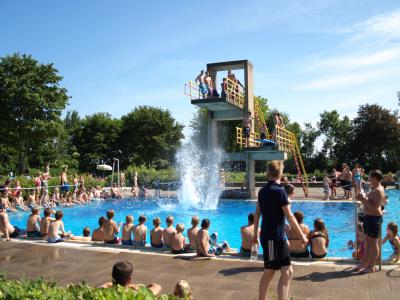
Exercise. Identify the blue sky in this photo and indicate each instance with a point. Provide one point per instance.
(308, 56)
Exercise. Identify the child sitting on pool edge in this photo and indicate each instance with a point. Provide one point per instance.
(178, 240)
(140, 233)
(156, 234)
(127, 231)
(391, 236)
(319, 239)
(169, 231)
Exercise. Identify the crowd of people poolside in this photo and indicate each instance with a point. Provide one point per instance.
(281, 241)
(65, 194)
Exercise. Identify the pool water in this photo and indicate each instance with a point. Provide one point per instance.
(226, 219)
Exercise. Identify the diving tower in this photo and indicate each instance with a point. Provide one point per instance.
(234, 103)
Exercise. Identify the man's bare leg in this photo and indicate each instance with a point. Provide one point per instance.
(264, 283)
(284, 282)
(374, 254)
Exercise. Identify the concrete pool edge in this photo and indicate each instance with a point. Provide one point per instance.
(88, 246)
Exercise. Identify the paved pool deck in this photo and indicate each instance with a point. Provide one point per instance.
(210, 279)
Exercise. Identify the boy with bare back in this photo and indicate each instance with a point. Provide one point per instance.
(45, 222)
(192, 233)
(122, 275)
(140, 233)
(33, 224)
(169, 231)
(247, 233)
(127, 231)
(178, 241)
(111, 229)
(156, 234)
(55, 228)
(373, 219)
(6, 229)
(98, 234)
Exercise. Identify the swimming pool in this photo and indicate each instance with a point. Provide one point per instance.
(226, 219)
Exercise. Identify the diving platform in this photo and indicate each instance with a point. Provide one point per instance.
(215, 104)
(256, 154)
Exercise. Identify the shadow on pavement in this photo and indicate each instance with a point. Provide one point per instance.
(324, 276)
(394, 273)
(234, 271)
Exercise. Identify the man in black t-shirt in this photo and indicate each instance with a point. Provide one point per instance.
(273, 206)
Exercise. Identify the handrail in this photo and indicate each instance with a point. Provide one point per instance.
(234, 93)
(192, 90)
(259, 116)
(253, 139)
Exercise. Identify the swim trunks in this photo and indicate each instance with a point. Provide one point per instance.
(305, 254)
(127, 242)
(317, 256)
(55, 240)
(245, 252)
(203, 89)
(112, 242)
(246, 132)
(139, 244)
(157, 246)
(34, 233)
(263, 136)
(178, 251)
(372, 226)
(276, 254)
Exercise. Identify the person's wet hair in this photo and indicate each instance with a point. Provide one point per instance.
(319, 225)
(47, 212)
(205, 223)
(376, 174)
(289, 188)
(169, 220)
(392, 226)
(195, 220)
(122, 273)
(156, 221)
(59, 214)
(142, 219)
(35, 210)
(110, 213)
(86, 232)
(274, 169)
(299, 216)
(101, 221)
(250, 218)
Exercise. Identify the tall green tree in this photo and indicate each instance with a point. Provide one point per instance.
(150, 136)
(376, 138)
(31, 101)
(337, 132)
(96, 140)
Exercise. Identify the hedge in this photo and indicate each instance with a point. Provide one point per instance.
(42, 290)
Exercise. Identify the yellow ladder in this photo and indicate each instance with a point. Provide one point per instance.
(287, 142)
(234, 93)
(259, 117)
(253, 140)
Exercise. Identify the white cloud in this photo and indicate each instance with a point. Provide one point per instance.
(370, 50)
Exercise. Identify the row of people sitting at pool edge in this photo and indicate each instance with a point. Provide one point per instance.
(167, 238)
(318, 239)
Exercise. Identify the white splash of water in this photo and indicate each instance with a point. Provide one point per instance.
(199, 173)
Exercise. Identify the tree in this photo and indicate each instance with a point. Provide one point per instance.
(308, 137)
(96, 140)
(337, 133)
(199, 124)
(31, 102)
(150, 136)
(376, 137)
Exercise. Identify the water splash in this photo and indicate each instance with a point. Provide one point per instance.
(199, 173)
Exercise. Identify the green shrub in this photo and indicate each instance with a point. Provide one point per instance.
(148, 176)
(43, 290)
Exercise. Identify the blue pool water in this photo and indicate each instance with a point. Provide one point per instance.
(226, 219)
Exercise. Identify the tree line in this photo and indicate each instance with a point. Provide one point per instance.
(34, 131)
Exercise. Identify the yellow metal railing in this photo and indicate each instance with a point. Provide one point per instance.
(192, 90)
(253, 139)
(286, 141)
(234, 93)
(260, 118)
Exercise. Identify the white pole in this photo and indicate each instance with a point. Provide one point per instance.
(119, 180)
(112, 174)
